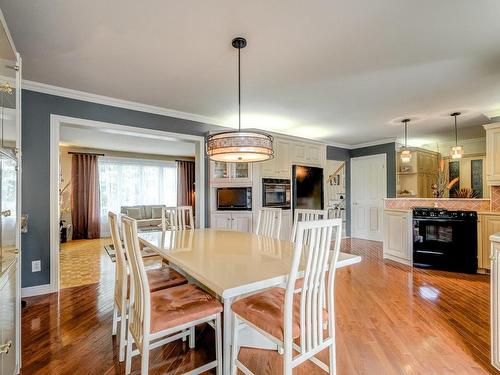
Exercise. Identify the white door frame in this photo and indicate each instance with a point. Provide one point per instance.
(379, 156)
(55, 125)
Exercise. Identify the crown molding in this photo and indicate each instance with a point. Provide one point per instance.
(492, 114)
(106, 100)
(374, 143)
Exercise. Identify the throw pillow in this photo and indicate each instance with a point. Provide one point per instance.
(134, 213)
(156, 212)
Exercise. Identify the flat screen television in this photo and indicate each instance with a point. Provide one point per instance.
(234, 198)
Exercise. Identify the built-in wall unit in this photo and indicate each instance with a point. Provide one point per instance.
(10, 204)
(245, 186)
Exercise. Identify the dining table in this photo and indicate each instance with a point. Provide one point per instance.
(230, 264)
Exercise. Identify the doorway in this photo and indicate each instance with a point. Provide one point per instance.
(134, 166)
(368, 190)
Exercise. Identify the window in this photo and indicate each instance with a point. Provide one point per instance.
(129, 182)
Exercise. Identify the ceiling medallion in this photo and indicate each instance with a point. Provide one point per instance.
(240, 146)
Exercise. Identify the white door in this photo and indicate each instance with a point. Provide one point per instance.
(368, 190)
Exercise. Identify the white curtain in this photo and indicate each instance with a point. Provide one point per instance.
(129, 182)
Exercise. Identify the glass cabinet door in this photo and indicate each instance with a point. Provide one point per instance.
(8, 206)
(220, 170)
(241, 170)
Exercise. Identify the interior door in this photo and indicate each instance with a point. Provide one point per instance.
(368, 190)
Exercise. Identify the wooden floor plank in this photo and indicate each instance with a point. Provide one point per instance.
(391, 319)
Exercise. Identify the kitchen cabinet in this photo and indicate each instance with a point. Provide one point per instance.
(221, 172)
(8, 319)
(238, 221)
(493, 154)
(398, 242)
(495, 300)
(487, 225)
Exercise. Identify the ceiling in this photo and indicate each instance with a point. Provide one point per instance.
(340, 71)
(103, 139)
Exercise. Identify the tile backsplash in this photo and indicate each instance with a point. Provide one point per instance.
(451, 204)
(495, 198)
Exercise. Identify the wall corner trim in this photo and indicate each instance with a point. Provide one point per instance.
(36, 290)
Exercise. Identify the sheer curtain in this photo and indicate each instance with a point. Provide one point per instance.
(128, 182)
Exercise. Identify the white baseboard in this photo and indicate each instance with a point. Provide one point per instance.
(36, 290)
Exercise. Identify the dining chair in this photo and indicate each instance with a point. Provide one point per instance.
(159, 278)
(269, 222)
(302, 214)
(304, 322)
(166, 315)
(177, 218)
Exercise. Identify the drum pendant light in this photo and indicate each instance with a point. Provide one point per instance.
(239, 146)
(405, 153)
(456, 151)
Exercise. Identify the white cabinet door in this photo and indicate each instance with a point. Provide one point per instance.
(493, 156)
(283, 165)
(299, 153)
(313, 154)
(397, 234)
(495, 304)
(241, 222)
(221, 221)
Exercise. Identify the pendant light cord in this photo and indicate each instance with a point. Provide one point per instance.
(239, 91)
(456, 135)
(406, 134)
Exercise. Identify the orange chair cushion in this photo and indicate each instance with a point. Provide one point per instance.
(181, 304)
(165, 277)
(265, 310)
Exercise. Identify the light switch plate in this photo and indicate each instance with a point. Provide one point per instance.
(36, 266)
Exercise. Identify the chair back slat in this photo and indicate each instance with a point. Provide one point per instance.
(269, 222)
(316, 258)
(121, 274)
(139, 305)
(177, 218)
(301, 214)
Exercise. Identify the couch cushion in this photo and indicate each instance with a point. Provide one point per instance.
(134, 213)
(156, 212)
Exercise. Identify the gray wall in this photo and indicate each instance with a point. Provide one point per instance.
(338, 153)
(36, 111)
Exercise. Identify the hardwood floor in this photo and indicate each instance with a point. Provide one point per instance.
(391, 319)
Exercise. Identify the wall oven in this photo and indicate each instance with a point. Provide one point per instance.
(445, 240)
(276, 193)
(234, 198)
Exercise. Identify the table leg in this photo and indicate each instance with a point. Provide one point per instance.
(226, 357)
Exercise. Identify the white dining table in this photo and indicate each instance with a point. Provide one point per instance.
(230, 264)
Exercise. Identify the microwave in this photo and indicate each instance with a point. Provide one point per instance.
(234, 198)
(276, 193)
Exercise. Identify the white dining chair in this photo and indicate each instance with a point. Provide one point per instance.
(161, 317)
(269, 222)
(159, 278)
(177, 218)
(303, 322)
(301, 214)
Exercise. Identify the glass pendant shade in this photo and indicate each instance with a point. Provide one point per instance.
(405, 156)
(457, 152)
(240, 147)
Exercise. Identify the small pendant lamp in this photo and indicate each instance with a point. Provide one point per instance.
(405, 153)
(456, 151)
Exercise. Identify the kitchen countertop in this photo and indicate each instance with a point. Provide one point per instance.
(398, 209)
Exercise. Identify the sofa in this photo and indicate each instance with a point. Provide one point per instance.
(148, 216)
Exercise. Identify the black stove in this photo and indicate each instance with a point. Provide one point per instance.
(444, 239)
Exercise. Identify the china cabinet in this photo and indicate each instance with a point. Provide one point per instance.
(10, 136)
(221, 172)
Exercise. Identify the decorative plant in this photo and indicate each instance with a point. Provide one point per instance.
(466, 193)
(442, 185)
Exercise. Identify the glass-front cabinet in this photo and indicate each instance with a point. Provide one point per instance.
(230, 172)
(9, 139)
